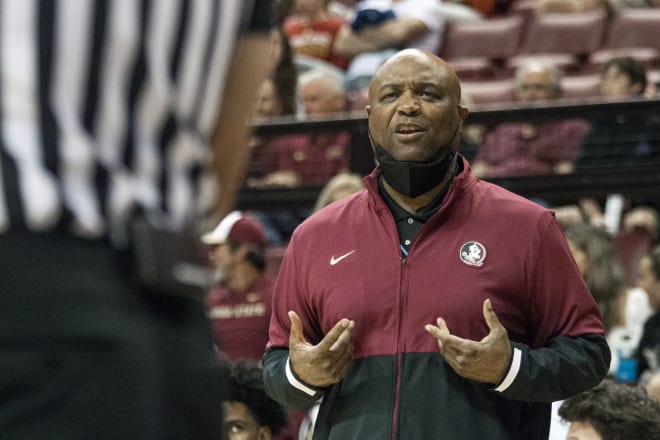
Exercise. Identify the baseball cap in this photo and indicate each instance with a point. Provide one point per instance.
(239, 228)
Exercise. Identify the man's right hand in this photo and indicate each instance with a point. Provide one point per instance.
(323, 364)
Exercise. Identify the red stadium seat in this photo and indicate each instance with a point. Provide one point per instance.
(581, 86)
(477, 49)
(489, 91)
(563, 39)
(632, 32)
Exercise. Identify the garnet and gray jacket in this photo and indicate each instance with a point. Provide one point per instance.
(483, 242)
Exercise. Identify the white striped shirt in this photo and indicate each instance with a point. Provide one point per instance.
(108, 107)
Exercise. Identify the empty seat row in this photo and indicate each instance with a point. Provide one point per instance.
(575, 42)
(502, 91)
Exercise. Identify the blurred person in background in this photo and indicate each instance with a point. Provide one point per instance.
(306, 159)
(382, 27)
(648, 350)
(644, 218)
(621, 139)
(312, 30)
(525, 149)
(312, 158)
(111, 112)
(239, 304)
(624, 308)
(276, 97)
(340, 186)
(249, 414)
(611, 411)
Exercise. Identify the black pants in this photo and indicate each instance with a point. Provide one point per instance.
(85, 355)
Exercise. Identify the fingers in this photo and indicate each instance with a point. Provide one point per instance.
(296, 335)
(336, 340)
(338, 337)
(484, 361)
(490, 316)
(343, 340)
(439, 331)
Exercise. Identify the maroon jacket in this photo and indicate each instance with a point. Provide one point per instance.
(483, 242)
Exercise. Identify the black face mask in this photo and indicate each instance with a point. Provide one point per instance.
(415, 178)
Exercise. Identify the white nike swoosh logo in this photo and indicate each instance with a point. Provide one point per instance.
(334, 260)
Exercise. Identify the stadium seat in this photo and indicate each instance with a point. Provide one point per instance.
(563, 39)
(501, 91)
(631, 32)
(581, 86)
(477, 49)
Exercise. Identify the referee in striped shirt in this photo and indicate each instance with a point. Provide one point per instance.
(112, 109)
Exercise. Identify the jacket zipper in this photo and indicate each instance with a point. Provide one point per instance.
(399, 356)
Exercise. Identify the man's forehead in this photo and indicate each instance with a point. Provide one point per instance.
(405, 73)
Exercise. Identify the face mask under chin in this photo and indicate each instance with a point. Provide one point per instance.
(414, 178)
(411, 178)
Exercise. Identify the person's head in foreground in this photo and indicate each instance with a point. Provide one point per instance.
(415, 121)
(249, 414)
(612, 411)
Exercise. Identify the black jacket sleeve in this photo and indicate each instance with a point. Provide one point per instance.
(563, 368)
(278, 386)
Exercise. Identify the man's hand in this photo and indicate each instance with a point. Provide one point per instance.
(484, 361)
(528, 131)
(323, 364)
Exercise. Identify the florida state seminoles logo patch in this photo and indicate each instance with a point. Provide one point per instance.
(473, 253)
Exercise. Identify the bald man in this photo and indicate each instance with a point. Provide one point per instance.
(430, 304)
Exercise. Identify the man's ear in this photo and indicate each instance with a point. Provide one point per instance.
(462, 112)
(367, 108)
(264, 433)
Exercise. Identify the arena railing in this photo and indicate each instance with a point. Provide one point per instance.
(639, 183)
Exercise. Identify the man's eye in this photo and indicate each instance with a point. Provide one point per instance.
(235, 428)
(429, 95)
(388, 96)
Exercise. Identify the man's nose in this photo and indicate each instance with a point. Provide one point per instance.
(409, 104)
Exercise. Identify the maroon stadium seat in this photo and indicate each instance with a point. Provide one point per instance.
(632, 32)
(499, 91)
(477, 49)
(563, 39)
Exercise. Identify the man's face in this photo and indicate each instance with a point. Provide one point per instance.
(414, 107)
(318, 98)
(617, 83)
(535, 85)
(582, 431)
(240, 424)
(222, 258)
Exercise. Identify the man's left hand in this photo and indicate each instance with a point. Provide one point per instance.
(484, 361)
